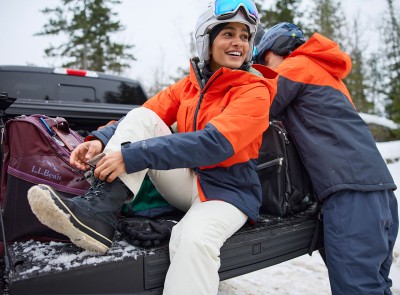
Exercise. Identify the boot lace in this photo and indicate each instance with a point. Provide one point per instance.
(94, 191)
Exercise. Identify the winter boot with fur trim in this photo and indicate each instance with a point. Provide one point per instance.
(90, 220)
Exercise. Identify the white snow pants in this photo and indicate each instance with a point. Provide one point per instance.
(197, 239)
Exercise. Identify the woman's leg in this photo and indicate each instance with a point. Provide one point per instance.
(196, 240)
(140, 123)
(178, 186)
(195, 247)
(89, 220)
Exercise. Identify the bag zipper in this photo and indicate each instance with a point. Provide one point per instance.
(278, 161)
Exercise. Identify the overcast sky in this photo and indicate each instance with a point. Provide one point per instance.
(159, 29)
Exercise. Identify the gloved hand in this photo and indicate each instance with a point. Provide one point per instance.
(145, 232)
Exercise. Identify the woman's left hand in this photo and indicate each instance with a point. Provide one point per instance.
(110, 167)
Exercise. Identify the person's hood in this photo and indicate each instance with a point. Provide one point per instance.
(327, 54)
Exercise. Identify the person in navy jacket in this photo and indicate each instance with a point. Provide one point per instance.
(349, 175)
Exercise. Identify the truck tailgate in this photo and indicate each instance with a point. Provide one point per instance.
(59, 268)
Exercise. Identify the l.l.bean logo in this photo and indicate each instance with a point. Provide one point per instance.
(46, 169)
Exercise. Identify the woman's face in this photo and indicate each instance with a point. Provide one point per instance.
(230, 47)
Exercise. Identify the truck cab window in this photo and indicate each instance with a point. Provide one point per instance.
(78, 93)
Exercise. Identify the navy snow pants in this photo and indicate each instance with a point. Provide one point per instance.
(360, 229)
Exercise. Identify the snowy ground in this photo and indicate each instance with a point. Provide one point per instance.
(308, 274)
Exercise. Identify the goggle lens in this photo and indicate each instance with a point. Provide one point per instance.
(224, 9)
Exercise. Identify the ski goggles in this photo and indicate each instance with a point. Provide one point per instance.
(225, 9)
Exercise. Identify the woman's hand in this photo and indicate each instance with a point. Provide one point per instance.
(110, 167)
(84, 152)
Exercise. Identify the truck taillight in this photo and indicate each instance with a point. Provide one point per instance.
(74, 72)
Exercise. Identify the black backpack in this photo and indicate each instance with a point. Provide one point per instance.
(286, 185)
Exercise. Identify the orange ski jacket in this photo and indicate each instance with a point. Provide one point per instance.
(220, 127)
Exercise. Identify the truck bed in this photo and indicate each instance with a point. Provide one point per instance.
(60, 268)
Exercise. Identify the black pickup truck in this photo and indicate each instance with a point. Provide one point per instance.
(33, 267)
(86, 99)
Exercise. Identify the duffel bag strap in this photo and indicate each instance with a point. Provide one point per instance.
(61, 129)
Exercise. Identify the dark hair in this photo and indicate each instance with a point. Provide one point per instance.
(217, 29)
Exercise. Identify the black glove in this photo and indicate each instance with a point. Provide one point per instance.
(140, 231)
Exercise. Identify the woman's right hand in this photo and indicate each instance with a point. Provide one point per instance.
(84, 152)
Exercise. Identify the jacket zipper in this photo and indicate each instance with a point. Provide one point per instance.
(197, 111)
(203, 91)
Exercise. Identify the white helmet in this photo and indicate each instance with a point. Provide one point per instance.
(225, 11)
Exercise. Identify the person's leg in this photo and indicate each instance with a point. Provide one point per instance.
(177, 186)
(140, 123)
(195, 247)
(393, 230)
(90, 220)
(356, 237)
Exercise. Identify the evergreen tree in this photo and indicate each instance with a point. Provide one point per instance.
(281, 11)
(327, 18)
(375, 80)
(356, 80)
(392, 56)
(88, 25)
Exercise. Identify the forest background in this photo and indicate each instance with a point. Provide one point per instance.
(84, 33)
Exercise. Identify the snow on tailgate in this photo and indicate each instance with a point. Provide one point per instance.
(41, 257)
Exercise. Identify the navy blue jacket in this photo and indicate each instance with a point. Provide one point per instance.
(336, 145)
